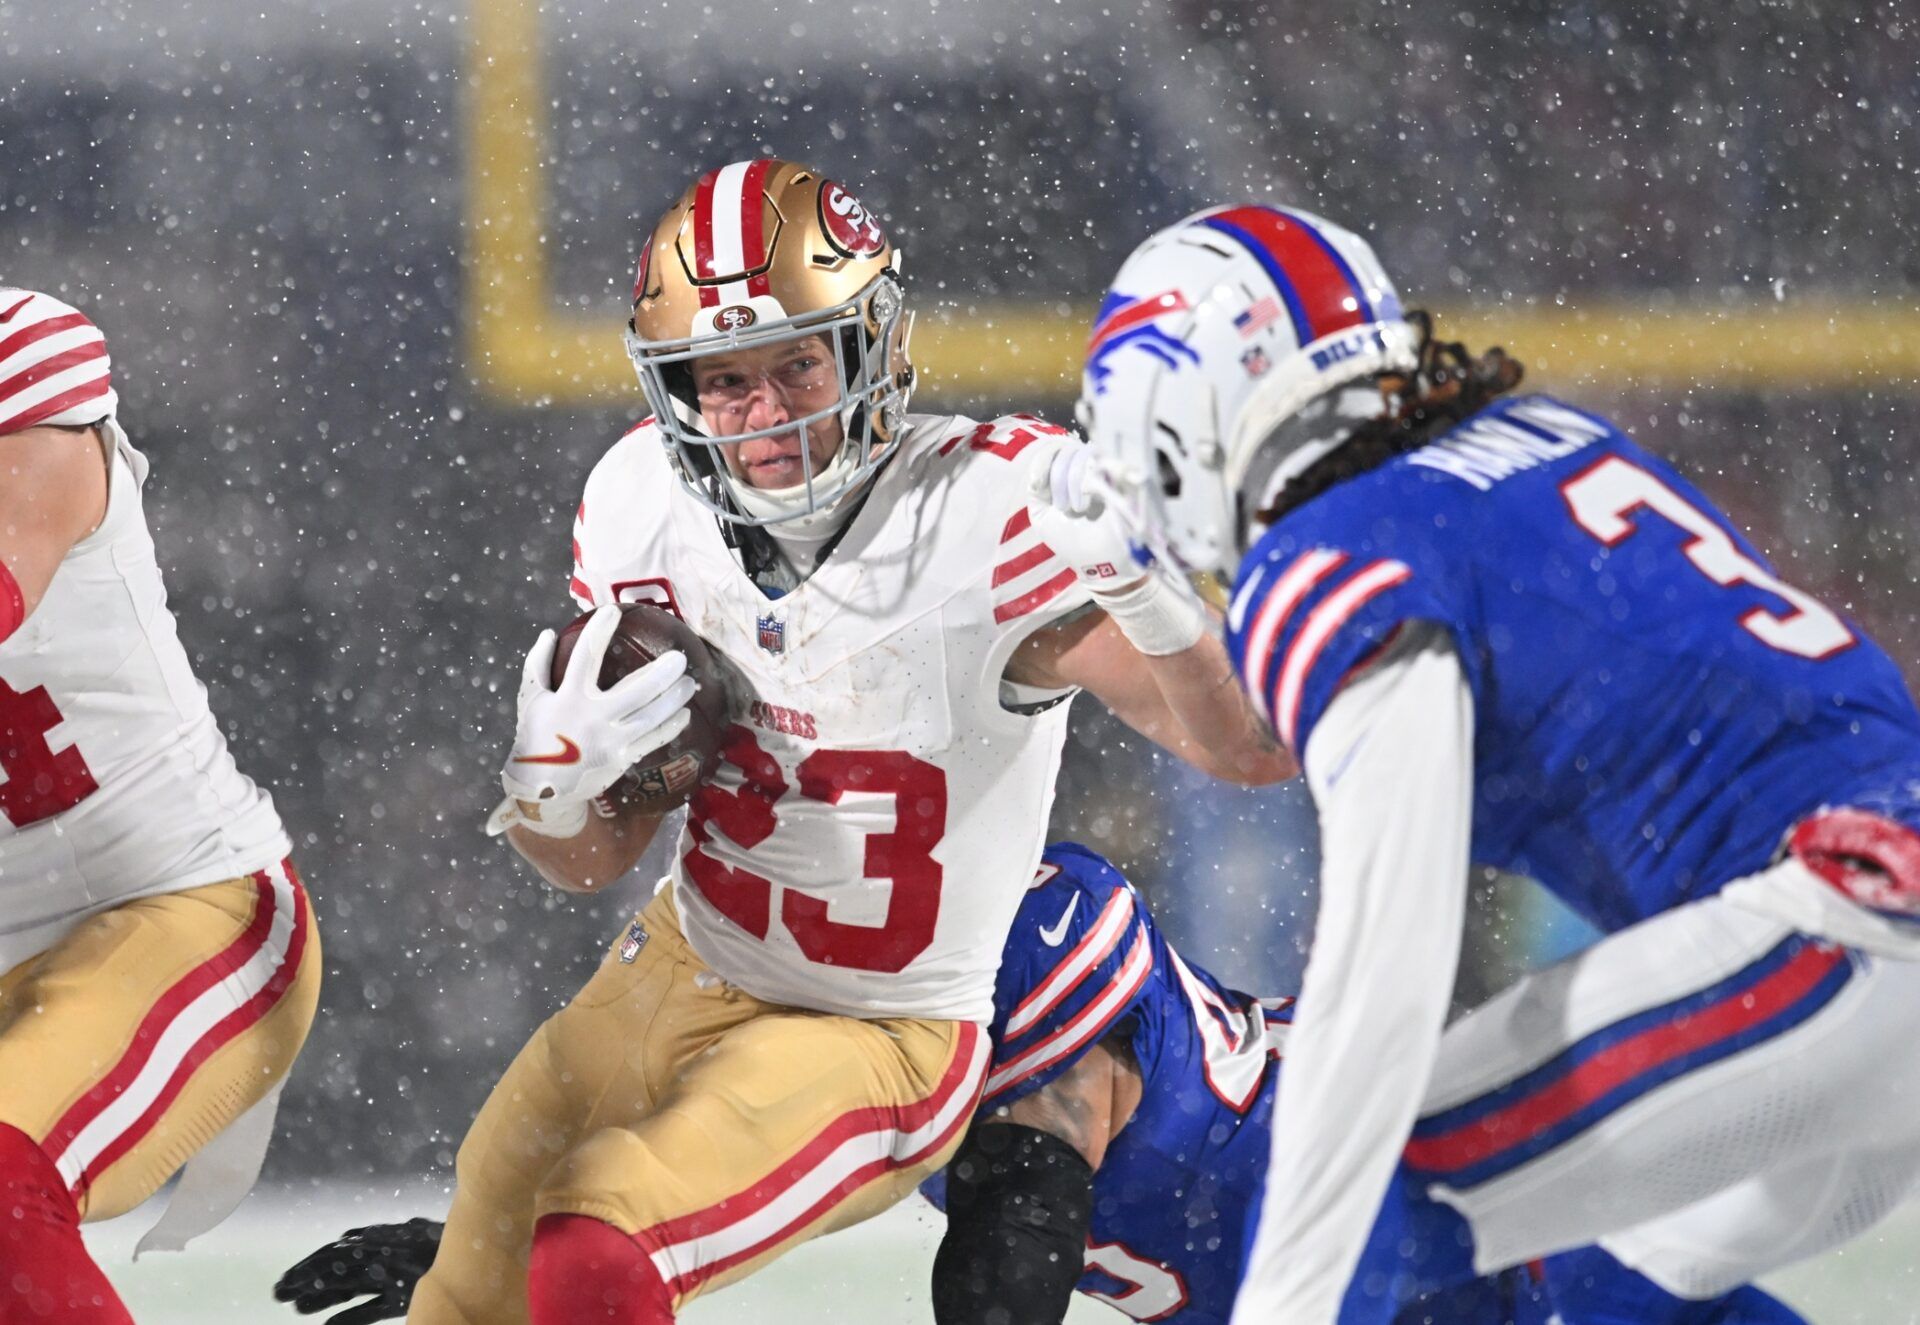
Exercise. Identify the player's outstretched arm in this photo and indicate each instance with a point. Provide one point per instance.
(1190, 702)
(1020, 1197)
(1148, 653)
(53, 493)
(381, 1262)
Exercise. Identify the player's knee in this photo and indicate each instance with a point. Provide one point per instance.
(585, 1270)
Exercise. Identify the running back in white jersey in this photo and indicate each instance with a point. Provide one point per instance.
(115, 782)
(879, 809)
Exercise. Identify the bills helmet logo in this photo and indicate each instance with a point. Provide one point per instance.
(1125, 320)
(849, 226)
(736, 317)
(772, 632)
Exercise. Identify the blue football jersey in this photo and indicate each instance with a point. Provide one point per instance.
(1175, 1199)
(1653, 707)
(1177, 1195)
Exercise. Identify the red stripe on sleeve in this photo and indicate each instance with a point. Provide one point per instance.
(34, 331)
(1033, 598)
(1015, 567)
(47, 367)
(96, 389)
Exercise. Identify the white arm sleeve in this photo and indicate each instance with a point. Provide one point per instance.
(1391, 767)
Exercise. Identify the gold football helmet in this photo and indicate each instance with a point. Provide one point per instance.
(757, 253)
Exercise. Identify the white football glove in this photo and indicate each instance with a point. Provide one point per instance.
(575, 740)
(1092, 511)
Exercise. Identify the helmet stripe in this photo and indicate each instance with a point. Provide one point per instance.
(1367, 313)
(725, 212)
(1320, 293)
(753, 239)
(703, 238)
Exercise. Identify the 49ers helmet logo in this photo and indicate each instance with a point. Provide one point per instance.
(849, 226)
(735, 317)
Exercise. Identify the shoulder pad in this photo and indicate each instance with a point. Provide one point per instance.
(634, 479)
(1078, 954)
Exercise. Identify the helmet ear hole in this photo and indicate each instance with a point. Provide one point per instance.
(1169, 476)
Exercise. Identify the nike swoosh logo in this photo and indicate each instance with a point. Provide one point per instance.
(569, 753)
(1057, 935)
(1346, 760)
(1237, 610)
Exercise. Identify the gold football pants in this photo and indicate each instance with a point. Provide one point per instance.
(714, 1129)
(134, 1040)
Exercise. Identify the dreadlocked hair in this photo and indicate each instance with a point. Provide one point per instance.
(1446, 386)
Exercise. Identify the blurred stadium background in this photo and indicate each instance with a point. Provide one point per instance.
(363, 267)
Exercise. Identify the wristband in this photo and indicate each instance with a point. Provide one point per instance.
(555, 820)
(13, 605)
(1156, 616)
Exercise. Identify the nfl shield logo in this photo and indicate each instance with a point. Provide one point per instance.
(635, 940)
(773, 634)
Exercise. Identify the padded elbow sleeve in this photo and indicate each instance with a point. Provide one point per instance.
(1019, 1203)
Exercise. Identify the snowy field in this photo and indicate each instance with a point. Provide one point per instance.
(872, 1275)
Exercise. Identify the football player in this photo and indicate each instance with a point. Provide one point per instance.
(158, 959)
(790, 1036)
(1127, 1116)
(1120, 1147)
(1496, 630)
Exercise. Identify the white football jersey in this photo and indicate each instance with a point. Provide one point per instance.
(115, 782)
(879, 810)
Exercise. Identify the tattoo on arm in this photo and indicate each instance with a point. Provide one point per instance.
(1088, 1104)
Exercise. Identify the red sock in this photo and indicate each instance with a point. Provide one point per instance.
(46, 1275)
(585, 1271)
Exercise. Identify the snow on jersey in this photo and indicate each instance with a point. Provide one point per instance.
(115, 782)
(1653, 707)
(878, 809)
(1176, 1197)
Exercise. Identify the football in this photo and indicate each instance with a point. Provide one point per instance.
(669, 775)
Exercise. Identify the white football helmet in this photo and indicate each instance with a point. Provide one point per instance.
(1218, 331)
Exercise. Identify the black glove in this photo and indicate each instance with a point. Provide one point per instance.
(386, 1260)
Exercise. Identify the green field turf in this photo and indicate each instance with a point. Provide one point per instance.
(872, 1275)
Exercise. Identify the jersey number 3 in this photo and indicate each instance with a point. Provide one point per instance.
(40, 781)
(903, 856)
(1603, 500)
